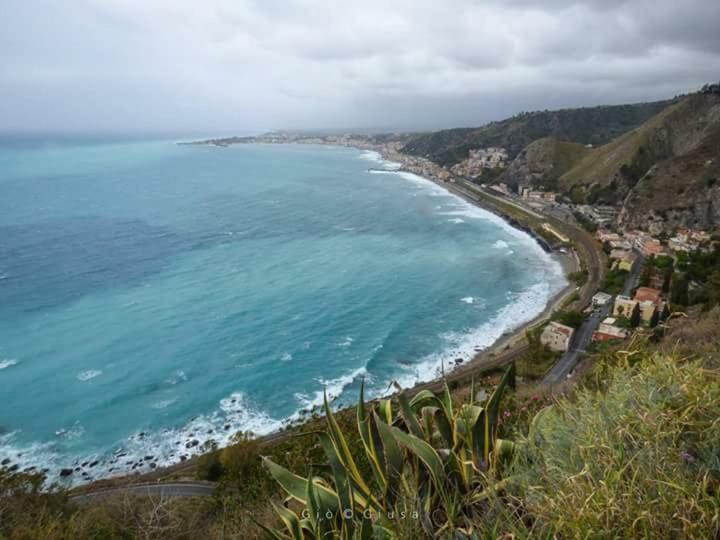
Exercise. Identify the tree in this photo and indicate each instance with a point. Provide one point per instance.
(712, 290)
(667, 279)
(655, 318)
(240, 460)
(208, 465)
(679, 292)
(635, 317)
(569, 318)
(647, 272)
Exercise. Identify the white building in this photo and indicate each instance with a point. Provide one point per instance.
(556, 336)
(601, 299)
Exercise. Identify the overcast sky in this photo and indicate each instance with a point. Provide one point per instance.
(232, 66)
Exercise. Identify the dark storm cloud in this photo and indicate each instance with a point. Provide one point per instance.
(231, 65)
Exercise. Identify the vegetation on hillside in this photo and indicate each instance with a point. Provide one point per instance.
(588, 125)
(634, 456)
(543, 162)
(665, 171)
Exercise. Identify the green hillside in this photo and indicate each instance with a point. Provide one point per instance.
(543, 161)
(587, 125)
(666, 165)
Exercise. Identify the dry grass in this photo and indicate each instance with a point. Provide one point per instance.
(640, 459)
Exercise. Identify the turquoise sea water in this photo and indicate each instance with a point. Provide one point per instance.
(153, 295)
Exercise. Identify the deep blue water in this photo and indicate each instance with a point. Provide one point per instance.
(153, 294)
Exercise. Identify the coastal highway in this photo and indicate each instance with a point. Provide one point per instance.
(170, 489)
(583, 335)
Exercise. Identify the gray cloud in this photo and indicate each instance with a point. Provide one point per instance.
(236, 65)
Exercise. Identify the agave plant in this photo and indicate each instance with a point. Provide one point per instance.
(423, 450)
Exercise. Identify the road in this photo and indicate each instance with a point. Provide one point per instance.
(173, 489)
(583, 335)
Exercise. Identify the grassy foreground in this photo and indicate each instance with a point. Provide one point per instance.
(634, 453)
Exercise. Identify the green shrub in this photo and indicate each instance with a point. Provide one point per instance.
(640, 459)
(431, 461)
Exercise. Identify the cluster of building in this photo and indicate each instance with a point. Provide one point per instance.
(600, 214)
(686, 240)
(645, 308)
(479, 159)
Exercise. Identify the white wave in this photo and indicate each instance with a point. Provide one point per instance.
(523, 307)
(456, 220)
(9, 362)
(345, 343)
(468, 299)
(469, 210)
(3, 276)
(371, 155)
(333, 387)
(141, 451)
(501, 244)
(88, 374)
(164, 403)
(376, 157)
(177, 377)
(286, 357)
(306, 345)
(74, 432)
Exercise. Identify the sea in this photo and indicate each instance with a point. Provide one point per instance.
(158, 297)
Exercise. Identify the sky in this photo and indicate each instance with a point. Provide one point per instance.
(236, 66)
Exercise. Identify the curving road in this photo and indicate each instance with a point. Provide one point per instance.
(170, 489)
(583, 335)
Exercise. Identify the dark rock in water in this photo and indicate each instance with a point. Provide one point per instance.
(45, 470)
(183, 457)
(85, 473)
(5, 461)
(148, 458)
(141, 434)
(77, 468)
(66, 472)
(121, 454)
(192, 443)
(93, 464)
(14, 468)
(209, 431)
(459, 360)
(84, 464)
(227, 427)
(153, 465)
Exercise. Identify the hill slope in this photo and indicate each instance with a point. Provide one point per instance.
(543, 161)
(587, 125)
(666, 169)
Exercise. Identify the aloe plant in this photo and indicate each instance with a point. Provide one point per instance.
(424, 450)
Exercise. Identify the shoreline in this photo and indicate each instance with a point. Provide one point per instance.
(505, 349)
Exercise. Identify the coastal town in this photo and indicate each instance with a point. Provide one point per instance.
(644, 277)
